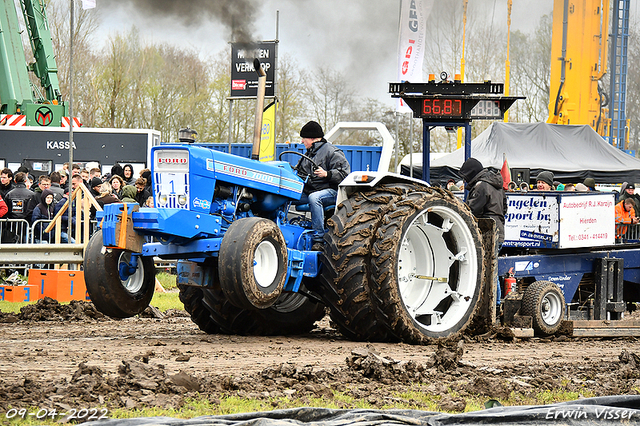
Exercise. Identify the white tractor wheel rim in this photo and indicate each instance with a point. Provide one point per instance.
(438, 244)
(134, 283)
(551, 308)
(265, 264)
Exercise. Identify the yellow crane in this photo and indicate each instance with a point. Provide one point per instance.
(578, 62)
(585, 47)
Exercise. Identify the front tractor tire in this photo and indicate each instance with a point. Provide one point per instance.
(253, 263)
(544, 302)
(113, 292)
(427, 266)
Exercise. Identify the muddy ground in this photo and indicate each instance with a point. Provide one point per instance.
(56, 356)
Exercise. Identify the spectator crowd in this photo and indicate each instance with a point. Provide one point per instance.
(24, 197)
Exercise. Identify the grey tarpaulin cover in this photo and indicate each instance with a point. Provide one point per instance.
(592, 411)
(572, 153)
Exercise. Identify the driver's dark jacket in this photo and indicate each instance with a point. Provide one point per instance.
(331, 159)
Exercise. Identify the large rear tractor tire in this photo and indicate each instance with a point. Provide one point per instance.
(544, 302)
(346, 263)
(213, 313)
(292, 314)
(253, 263)
(192, 299)
(427, 266)
(112, 290)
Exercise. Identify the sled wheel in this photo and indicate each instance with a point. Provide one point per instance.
(428, 266)
(113, 289)
(252, 263)
(544, 302)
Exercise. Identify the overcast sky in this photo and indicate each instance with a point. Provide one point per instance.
(356, 37)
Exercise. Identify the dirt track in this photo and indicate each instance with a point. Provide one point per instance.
(74, 357)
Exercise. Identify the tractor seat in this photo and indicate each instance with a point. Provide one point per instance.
(305, 208)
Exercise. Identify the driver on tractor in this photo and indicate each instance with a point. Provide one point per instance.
(321, 188)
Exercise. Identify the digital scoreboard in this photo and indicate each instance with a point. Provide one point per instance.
(454, 102)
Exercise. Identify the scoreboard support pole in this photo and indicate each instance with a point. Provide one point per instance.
(427, 126)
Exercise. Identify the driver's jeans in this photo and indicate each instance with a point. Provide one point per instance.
(317, 202)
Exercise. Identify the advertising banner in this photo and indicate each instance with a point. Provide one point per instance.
(531, 220)
(268, 135)
(559, 219)
(587, 220)
(411, 42)
(244, 79)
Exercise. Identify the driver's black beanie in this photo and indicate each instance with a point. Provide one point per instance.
(311, 130)
(470, 169)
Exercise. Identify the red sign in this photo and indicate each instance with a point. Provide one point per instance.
(172, 160)
(238, 84)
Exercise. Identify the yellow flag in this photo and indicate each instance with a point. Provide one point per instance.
(268, 136)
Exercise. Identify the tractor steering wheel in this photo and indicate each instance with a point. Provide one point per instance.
(315, 166)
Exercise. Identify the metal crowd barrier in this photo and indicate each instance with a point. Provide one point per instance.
(18, 231)
(14, 231)
(37, 234)
(632, 233)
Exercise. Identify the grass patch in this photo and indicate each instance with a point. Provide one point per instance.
(412, 399)
(409, 400)
(13, 306)
(169, 300)
(167, 280)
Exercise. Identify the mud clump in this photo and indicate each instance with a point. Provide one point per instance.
(384, 369)
(365, 375)
(452, 404)
(8, 318)
(448, 355)
(489, 386)
(630, 365)
(48, 309)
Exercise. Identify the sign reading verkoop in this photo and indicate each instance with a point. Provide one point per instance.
(244, 79)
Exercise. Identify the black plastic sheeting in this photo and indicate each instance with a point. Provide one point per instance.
(592, 411)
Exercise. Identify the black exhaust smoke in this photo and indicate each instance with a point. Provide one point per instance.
(237, 15)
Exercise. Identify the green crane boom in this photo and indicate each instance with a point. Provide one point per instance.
(17, 94)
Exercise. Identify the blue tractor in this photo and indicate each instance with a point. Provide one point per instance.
(401, 262)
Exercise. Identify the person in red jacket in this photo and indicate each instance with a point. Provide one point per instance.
(625, 215)
(3, 207)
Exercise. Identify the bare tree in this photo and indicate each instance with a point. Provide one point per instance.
(291, 95)
(444, 38)
(84, 58)
(531, 72)
(216, 124)
(115, 80)
(330, 96)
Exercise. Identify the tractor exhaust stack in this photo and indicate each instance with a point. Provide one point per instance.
(257, 130)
